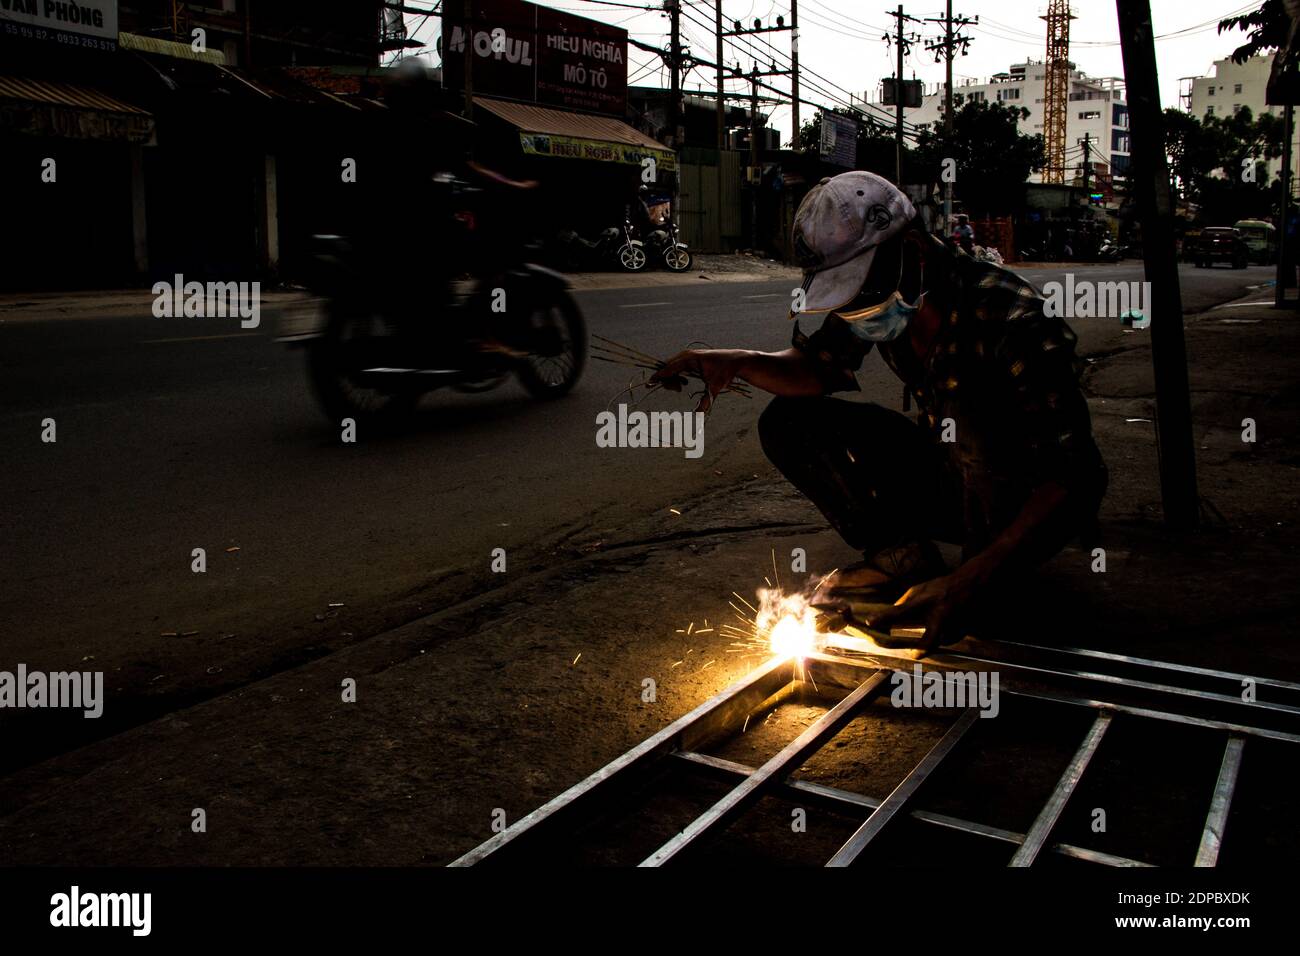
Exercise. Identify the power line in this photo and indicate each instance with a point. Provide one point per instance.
(837, 100)
(835, 14)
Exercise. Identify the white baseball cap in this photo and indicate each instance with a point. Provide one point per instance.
(837, 228)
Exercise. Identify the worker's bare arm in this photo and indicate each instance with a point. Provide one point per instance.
(789, 373)
(940, 602)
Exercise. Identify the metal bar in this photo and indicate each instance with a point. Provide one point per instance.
(904, 791)
(792, 755)
(1051, 811)
(1158, 665)
(1172, 689)
(954, 660)
(847, 800)
(831, 669)
(1232, 728)
(1217, 819)
(741, 697)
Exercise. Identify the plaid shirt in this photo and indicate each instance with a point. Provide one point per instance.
(1007, 376)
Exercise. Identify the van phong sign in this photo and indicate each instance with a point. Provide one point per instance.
(575, 147)
(522, 51)
(85, 24)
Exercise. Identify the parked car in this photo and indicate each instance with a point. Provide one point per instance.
(1218, 244)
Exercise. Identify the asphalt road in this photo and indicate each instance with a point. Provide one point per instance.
(175, 434)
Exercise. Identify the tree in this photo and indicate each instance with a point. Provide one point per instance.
(1268, 27)
(1220, 162)
(993, 159)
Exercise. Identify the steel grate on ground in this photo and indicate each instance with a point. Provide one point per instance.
(1112, 688)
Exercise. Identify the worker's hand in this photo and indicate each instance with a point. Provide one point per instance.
(857, 576)
(939, 604)
(717, 368)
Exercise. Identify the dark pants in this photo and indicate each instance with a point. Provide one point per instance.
(882, 481)
(874, 473)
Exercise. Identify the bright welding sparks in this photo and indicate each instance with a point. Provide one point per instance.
(788, 622)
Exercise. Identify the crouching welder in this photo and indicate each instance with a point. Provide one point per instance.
(1001, 458)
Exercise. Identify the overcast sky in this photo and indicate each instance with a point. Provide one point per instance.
(840, 40)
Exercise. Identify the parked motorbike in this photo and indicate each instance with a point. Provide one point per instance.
(1109, 251)
(664, 245)
(614, 246)
(382, 342)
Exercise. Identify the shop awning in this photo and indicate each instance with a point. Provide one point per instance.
(185, 51)
(558, 133)
(69, 110)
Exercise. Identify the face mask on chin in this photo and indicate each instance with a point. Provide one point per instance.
(885, 321)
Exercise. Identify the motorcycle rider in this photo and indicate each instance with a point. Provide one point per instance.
(428, 153)
(642, 219)
(965, 234)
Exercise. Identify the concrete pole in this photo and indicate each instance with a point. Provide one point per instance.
(1285, 271)
(1155, 210)
(898, 107)
(794, 72)
(947, 119)
(722, 103)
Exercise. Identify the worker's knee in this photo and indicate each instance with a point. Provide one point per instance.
(783, 422)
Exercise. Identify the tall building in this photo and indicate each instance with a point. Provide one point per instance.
(1097, 112)
(1230, 87)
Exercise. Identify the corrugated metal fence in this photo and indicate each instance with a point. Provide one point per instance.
(710, 197)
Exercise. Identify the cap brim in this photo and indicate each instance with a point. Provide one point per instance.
(836, 287)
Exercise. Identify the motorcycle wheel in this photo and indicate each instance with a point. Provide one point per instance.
(631, 258)
(332, 367)
(555, 364)
(677, 259)
(485, 384)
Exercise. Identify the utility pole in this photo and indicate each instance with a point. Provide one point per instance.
(947, 48)
(755, 170)
(722, 105)
(753, 156)
(1087, 166)
(1155, 210)
(903, 42)
(794, 74)
(469, 59)
(1285, 272)
(674, 8)
(898, 103)
(947, 111)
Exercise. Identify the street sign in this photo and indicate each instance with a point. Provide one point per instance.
(83, 24)
(839, 139)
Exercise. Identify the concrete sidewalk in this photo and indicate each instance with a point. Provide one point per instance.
(534, 680)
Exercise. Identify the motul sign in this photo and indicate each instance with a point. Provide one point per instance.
(527, 52)
(496, 44)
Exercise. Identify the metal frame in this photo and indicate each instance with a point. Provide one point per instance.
(1051, 812)
(1217, 819)
(1024, 671)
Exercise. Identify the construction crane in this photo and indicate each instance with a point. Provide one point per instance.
(1057, 94)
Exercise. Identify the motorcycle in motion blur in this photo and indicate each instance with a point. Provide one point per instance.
(397, 325)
